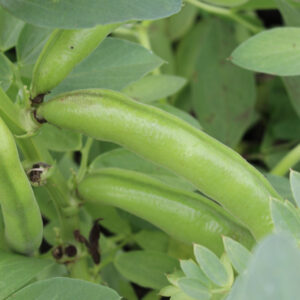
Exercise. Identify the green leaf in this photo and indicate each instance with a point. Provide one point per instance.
(211, 266)
(67, 289)
(57, 139)
(178, 25)
(154, 240)
(223, 95)
(154, 87)
(88, 13)
(237, 253)
(124, 159)
(290, 14)
(292, 85)
(10, 28)
(259, 4)
(113, 65)
(151, 296)
(281, 185)
(194, 288)
(16, 271)
(146, 268)
(273, 272)
(29, 46)
(285, 218)
(192, 270)
(169, 290)
(295, 186)
(178, 113)
(6, 73)
(259, 53)
(228, 3)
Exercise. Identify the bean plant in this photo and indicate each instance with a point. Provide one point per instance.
(149, 149)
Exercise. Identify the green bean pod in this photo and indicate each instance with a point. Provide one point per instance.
(186, 216)
(214, 168)
(22, 218)
(63, 50)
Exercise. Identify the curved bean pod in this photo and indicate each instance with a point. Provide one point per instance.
(22, 218)
(65, 49)
(218, 171)
(185, 216)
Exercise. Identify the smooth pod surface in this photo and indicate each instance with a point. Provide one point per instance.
(188, 217)
(218, 171)
(22, 218)
(65, 49)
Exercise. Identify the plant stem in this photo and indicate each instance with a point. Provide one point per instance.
(84, 159)
(227, 13)
(291, 159)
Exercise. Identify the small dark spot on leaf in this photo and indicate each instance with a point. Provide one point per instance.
(71, 47)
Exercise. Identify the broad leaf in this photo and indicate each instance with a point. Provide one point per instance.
(146, 268)
(67, 289)
(154, 240)
(211, 266)
(237, 253)
(16, 271)
(295, 186)
(285, 218)
(155, 87)
(194, 288)
(10, 28)
(223, 95)
(273, 272)
(113, 65)
(88, 13)
(273, 51)
(228, 3)
(6, 73)
(192, 270)
(58, 139)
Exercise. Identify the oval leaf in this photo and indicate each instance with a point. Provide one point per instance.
(274, 51)
(67, 289)
(295, 186)
(88, 13)
(146, 268)
(194, 288)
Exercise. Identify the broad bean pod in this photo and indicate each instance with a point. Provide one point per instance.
(22, 218)
(63, 50)
(186, 216)
(218, 171)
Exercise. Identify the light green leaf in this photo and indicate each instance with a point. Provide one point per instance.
(179, 113)
(113, 65)
(179, 24)
(169, 290)
(192, 270)
(228, 3)
(67, 289)
(6, 73)
(124, 159)
(88, 13)
(295, 186)
(57, 139)
(30, 44)
(273, 272)
(10, 28)
(154, 87)
(16, 271)
(273, 51)
(259, 4)
(237, 253)
(285, 218)
(223, 95)
(146, 268)
(154, 240)
(194, 288)
(290, 14)
(211, 266)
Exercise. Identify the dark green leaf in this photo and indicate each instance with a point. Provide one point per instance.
(146, 268)
(67, 289)
(113, 65)
(88, 13)
(16, 271)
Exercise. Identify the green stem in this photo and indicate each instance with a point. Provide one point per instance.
(227, 13)
(291, 159)
(84, 159)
